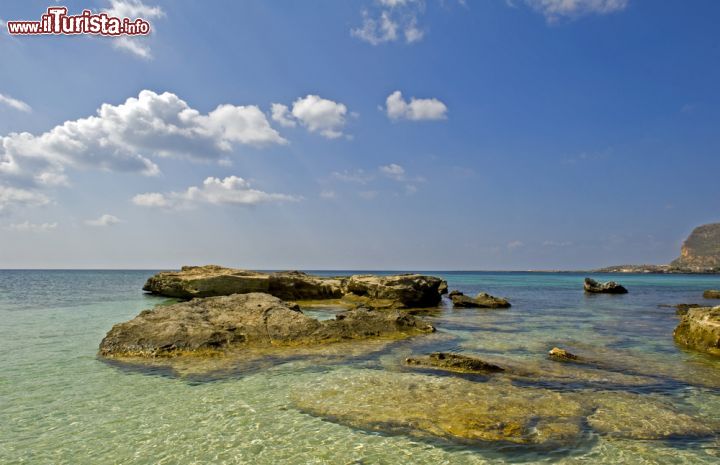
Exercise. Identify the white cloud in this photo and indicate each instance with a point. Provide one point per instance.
(15, 103)
(136, 45)
(11, 196)
(27, 226)
(387, 22)
(394, 171)
(376, 31)
(152, 199)
(281, 115)
(103, 221)
(123, 137)
(320, 115)
(232, 190)
(358, 176)
(326, 194)
(412, 32)
(416, 110)
(555, 9)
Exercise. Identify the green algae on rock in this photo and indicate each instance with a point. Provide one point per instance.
(249, 320)
(397, 291)
(699, 329)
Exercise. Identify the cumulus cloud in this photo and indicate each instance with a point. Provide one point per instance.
(378, 30)
(27, 226)
(14, 103)
(232, 190)
(281, 115)
(423, 109)
(103, 221)
(11, 196)
(556, 9)
(124, 137)
(136, 45)
(320, 115)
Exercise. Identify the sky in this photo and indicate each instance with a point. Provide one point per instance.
(367, 134)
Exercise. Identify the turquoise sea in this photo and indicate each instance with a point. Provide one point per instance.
(60, 404)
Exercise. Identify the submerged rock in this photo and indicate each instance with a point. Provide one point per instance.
(611, 287)
(711, 294)
(446, 407)
(562, 355)
(481, 300)
(492, 411)
(632, 416)
(453, 362)
(408, 290)
(682, 309)
(699, 329)
(249, 320)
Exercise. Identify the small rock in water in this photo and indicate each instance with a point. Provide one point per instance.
(481, 300)
(557, 353)
(711, 294)
(593, 287)
(453, 362)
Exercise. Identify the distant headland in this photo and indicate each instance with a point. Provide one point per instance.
(700, 253)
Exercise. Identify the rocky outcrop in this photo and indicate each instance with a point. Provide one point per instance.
(699, 329)
(701, 250)
(711, 294)
(398, 291)
(453, 362)
(481, 300)
(611, 287)
(249, 320)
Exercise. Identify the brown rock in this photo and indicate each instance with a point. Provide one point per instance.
(453, 362)
(249, 320)
(699, 329)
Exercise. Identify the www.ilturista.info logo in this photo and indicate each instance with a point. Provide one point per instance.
(57, 21)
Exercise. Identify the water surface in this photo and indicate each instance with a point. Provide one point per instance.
(60, 404)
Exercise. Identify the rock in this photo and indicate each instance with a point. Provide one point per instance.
(403, 291)
(410, 290)
(453, 362)
(632, 416)
(701, 250)
(454, 293)
(699, 329)
(563, 355)
(611, 287)
(248, 320)
(711, 294)
(481, 300)
(445, 407)
(443, 289)
(682, 309)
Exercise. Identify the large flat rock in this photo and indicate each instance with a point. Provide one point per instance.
(245, 320)
(397, 291)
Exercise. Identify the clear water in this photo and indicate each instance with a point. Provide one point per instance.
(60, 404)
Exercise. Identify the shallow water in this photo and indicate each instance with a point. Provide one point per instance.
(60, 404)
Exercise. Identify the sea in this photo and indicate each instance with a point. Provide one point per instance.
(62, 404)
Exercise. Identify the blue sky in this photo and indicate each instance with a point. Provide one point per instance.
(532, 134)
